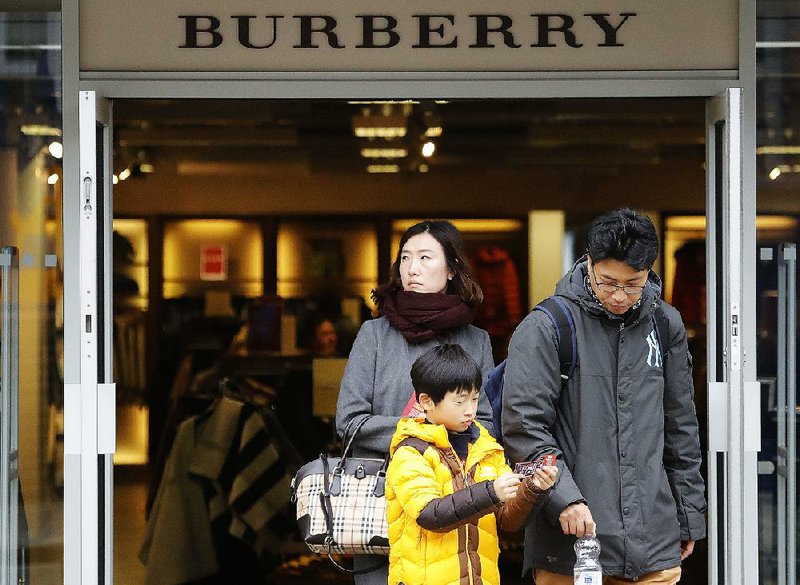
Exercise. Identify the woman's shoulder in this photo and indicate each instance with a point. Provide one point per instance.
(474, 333)
(376, 326)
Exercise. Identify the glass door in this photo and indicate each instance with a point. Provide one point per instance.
(10, 565)
(777, 371)
(733, 394)
(89, 400)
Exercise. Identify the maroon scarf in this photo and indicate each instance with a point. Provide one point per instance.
(422, 316)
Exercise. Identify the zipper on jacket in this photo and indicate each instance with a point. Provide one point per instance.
(469, 560)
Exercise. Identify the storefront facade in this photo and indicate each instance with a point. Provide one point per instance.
(448, 51)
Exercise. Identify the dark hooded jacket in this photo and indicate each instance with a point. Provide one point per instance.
(625, 432)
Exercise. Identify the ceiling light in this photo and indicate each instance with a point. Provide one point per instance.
(774, 173)
(39, 130)
(146, 167)
(124, 174)
(384, 152)
(778, 150)
(380, 132)
(52, 179)
(114, 179)
(433, 132)
(428, 149)
(383, 168)
(423, 168)
(56, 149)
(380, 126)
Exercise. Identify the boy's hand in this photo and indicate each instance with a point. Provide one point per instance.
(506, 486)
(543, 479)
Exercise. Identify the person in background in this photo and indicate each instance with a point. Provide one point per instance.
(324, 338)
(430, 299)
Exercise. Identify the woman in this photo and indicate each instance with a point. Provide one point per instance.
(430, 298)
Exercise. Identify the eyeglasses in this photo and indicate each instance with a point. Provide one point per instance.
(607, 287)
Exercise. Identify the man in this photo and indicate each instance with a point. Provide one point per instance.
(623, 426)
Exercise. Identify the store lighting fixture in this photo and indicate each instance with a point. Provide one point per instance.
(393, 126)
(124, 174)
(114, 179)
(56, 149)
(52, 179)
(384, 152)
(428, 149)
(778, 150)
(423, 168)
(774, 173)
(433, 132)
(39, 130)
(383, 168)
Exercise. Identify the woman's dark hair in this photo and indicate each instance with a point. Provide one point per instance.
(463, 283)
(442, 369)
(624, 235)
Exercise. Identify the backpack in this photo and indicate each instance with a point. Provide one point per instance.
(560, 316)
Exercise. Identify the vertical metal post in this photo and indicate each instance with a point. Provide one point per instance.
(781, 408)
(9, 393)
(790, 257)
(787, 414)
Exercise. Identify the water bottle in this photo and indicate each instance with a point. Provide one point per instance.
(587, 561)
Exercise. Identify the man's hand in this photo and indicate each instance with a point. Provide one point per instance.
(576, 519)
(687, 547)
(506, 486)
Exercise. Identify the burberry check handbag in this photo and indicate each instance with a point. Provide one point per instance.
(341, 508)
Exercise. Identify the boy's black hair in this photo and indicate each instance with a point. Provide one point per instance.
(442, 369)
(624, 235)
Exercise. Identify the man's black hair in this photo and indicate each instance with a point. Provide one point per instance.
(442, 369)
(624, 235)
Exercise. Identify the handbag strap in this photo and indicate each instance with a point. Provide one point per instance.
(378, 565)
(347, 443)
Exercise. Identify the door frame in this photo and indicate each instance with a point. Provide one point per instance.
(433, 85)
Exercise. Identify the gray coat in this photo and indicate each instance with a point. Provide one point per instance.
(624, 431)
(377, 380)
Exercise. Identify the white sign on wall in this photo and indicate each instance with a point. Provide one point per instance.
(408, 35)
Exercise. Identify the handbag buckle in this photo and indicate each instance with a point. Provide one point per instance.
(360, 472)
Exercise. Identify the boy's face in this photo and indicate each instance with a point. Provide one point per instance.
(456, 411)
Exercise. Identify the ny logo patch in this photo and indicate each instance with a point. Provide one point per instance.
(653, 351)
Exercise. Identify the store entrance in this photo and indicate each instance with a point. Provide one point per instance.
(228, 213)
(238, 225)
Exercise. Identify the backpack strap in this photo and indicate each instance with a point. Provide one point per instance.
(414, 442)
(661, 323)
(561, 317)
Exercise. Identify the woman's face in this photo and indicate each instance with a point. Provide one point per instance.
(423, 266)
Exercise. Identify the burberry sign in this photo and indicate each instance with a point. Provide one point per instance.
(413, 35)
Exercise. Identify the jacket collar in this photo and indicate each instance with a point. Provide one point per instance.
(482, 442)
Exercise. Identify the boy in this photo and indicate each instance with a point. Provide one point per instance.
(448, 486)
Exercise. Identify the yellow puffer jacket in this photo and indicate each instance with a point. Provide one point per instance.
(417, 475)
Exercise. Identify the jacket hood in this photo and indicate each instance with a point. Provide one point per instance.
(482, 445)
(571, 286)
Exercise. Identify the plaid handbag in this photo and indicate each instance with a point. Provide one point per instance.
(341, 508)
